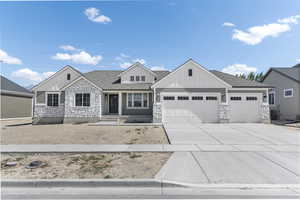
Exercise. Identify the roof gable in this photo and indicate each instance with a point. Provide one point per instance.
(201, 78)
(137, 64)
(10, 86)
(292, 73)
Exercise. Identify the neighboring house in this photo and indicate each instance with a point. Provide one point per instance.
(188, 92)
(284, 99)
(16, 101)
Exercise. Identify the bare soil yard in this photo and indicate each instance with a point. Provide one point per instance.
(82, 134)
(84, 166)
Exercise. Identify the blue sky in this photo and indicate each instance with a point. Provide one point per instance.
(39, 38)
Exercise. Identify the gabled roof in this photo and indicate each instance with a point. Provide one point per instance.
(137, 64)
(10, 87)
(292, 73)
(61, 70)
(237, 82)
(110, 80)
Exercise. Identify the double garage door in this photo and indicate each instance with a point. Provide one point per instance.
(203, 107)
(185, 107)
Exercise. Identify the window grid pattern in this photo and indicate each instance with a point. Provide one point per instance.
(82, 99)
(52, 100)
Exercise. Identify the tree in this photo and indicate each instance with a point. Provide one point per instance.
(251, 76)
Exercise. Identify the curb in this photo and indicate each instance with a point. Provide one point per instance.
(39, 183)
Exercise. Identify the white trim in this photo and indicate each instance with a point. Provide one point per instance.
(58, 72)
(288, 89)
(39, 104)
(201, 67)
(127, 91)
(142, 101)
(46, 93)
(77, 79)
(249, 88)
(137, 64)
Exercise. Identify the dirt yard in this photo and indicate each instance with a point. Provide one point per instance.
(82, 134)
(84, 166)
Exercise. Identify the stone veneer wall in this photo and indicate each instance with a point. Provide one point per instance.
(157, 113)
(223, 113)
(46, 114)
(77, 114)
(265, 113)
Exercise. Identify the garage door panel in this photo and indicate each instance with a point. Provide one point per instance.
(245, 110)
(180, 111)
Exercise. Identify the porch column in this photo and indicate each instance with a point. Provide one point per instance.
(226, 96)
(120, 103)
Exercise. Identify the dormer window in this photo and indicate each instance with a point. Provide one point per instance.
(143, 78)
(137, 78)
(68, 77)
(131, 78)
(190, 72)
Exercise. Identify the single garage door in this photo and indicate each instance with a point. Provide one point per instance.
(245, 108)
(185, 107)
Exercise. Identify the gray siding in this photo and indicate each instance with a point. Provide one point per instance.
(15, 106)
(126, 111)
(289, 108)
(137, 71)
(40, 97)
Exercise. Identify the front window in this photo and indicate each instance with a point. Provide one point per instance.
(190, 72)
(137, 78)
(288, 92)
(52, 100)
(131, 78)
(143, 78)
(137, 100)
(82, 99)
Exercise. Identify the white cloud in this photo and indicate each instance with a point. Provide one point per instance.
(290, 20)
(93, 14)
(298, 60)
(124, 55)
(125, 65)
(228, 24)
(239, 69)
(80, 58)
(5, 58)
(68, 48)
(140, 60)
(28, 74)
(254, 35)
(158, 68)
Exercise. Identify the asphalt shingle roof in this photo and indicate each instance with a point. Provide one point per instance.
(238, 82)
(10, 86)
(291, 72)
(109, 80)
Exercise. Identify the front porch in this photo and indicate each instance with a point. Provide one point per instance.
(127, 105)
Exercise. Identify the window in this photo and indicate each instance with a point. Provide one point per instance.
(288, 92)
(52, 100)
(143, 78)
(82, 99)
(197, 98)
(272, 98)
(137, 78)
(251, 98)
(131, 78)
(211, 98)
(190, 72)
(137, 100)
(169, 98)
(68, 77)
(235, 98)
(182, 98)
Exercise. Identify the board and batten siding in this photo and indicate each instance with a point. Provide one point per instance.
(137, 71)
(15, 106)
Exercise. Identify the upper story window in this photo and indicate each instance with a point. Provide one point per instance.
(82, 99)
(288, 92)
(131, 78)
(190, 72)
(143, 78)
(52, 99)
(68, 77)
(137, 78)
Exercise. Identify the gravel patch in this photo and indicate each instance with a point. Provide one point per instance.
(82, 166)
(82, 134)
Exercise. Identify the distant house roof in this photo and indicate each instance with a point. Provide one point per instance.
(289, 72)
(110, 80)
(238, 82)
(10, 87)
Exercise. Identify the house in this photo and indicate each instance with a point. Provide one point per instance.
(16, 101)
(284, 99)
(188, 92)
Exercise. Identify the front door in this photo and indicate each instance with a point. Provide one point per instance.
(113, 103)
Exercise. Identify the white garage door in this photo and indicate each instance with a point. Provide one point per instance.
(245, 107)
(186, 107)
